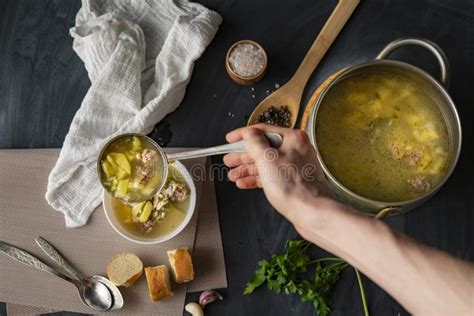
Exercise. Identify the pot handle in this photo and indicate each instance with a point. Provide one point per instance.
(431, 46)
(390, 210)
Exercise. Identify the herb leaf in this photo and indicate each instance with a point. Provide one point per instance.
(286, 273)
(258, 278)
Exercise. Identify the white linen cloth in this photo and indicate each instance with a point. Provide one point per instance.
(139, 55)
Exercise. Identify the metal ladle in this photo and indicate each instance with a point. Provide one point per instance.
(93, 293)
(274, 139)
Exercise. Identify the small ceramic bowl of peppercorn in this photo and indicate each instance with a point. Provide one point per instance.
(246, 62)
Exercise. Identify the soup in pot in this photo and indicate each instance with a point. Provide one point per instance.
(382, 136)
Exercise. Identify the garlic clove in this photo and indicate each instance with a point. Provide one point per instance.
(209, 296)
(194, 309)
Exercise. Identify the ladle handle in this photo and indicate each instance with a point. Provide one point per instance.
(274, 139)
(30, 260)
(54, 255)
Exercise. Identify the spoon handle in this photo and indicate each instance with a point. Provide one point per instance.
(336, 21)
(274, 139)
(54, 255)
(30, 260)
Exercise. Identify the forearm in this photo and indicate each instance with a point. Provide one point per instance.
(423, 279)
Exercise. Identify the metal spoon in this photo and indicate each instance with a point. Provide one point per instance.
(53, 254)
(94, 294)
(274, 139)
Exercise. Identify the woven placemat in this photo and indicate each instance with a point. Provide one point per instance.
(25, 215)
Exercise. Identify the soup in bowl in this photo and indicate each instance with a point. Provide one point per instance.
(157, 219)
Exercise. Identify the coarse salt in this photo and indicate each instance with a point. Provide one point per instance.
(247, 60)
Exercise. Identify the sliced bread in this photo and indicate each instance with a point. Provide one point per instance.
(124, 269)
(181, 264)
(158, 280)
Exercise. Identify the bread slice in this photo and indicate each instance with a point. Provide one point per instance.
(181, 264)
(124, 269)
(158, 280)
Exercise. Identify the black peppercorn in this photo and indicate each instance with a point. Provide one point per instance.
(276, 116)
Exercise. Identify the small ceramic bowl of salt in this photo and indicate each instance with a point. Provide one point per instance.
(246, 62)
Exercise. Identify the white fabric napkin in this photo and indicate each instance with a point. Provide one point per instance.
(139, 55)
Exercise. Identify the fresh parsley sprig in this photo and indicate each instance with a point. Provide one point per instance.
(286, 272)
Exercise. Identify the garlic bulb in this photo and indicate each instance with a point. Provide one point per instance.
(194, 309)
(209, 296)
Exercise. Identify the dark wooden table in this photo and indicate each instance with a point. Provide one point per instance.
(42, 84)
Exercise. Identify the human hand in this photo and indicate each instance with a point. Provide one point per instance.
(288, 175)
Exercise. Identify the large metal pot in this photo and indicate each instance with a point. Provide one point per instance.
(438, 92)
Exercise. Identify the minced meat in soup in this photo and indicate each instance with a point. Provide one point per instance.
(160, 215)
(382, 137)
(131, 168)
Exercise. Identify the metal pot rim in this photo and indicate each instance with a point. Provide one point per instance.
(343, 74)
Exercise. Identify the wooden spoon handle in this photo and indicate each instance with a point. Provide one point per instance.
(326, 37)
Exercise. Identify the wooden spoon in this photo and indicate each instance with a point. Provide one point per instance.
(290, 94)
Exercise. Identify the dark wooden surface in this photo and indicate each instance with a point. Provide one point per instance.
(42, 84)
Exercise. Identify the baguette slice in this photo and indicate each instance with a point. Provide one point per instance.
(158, 280)
(124, 269)
(181, 264)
